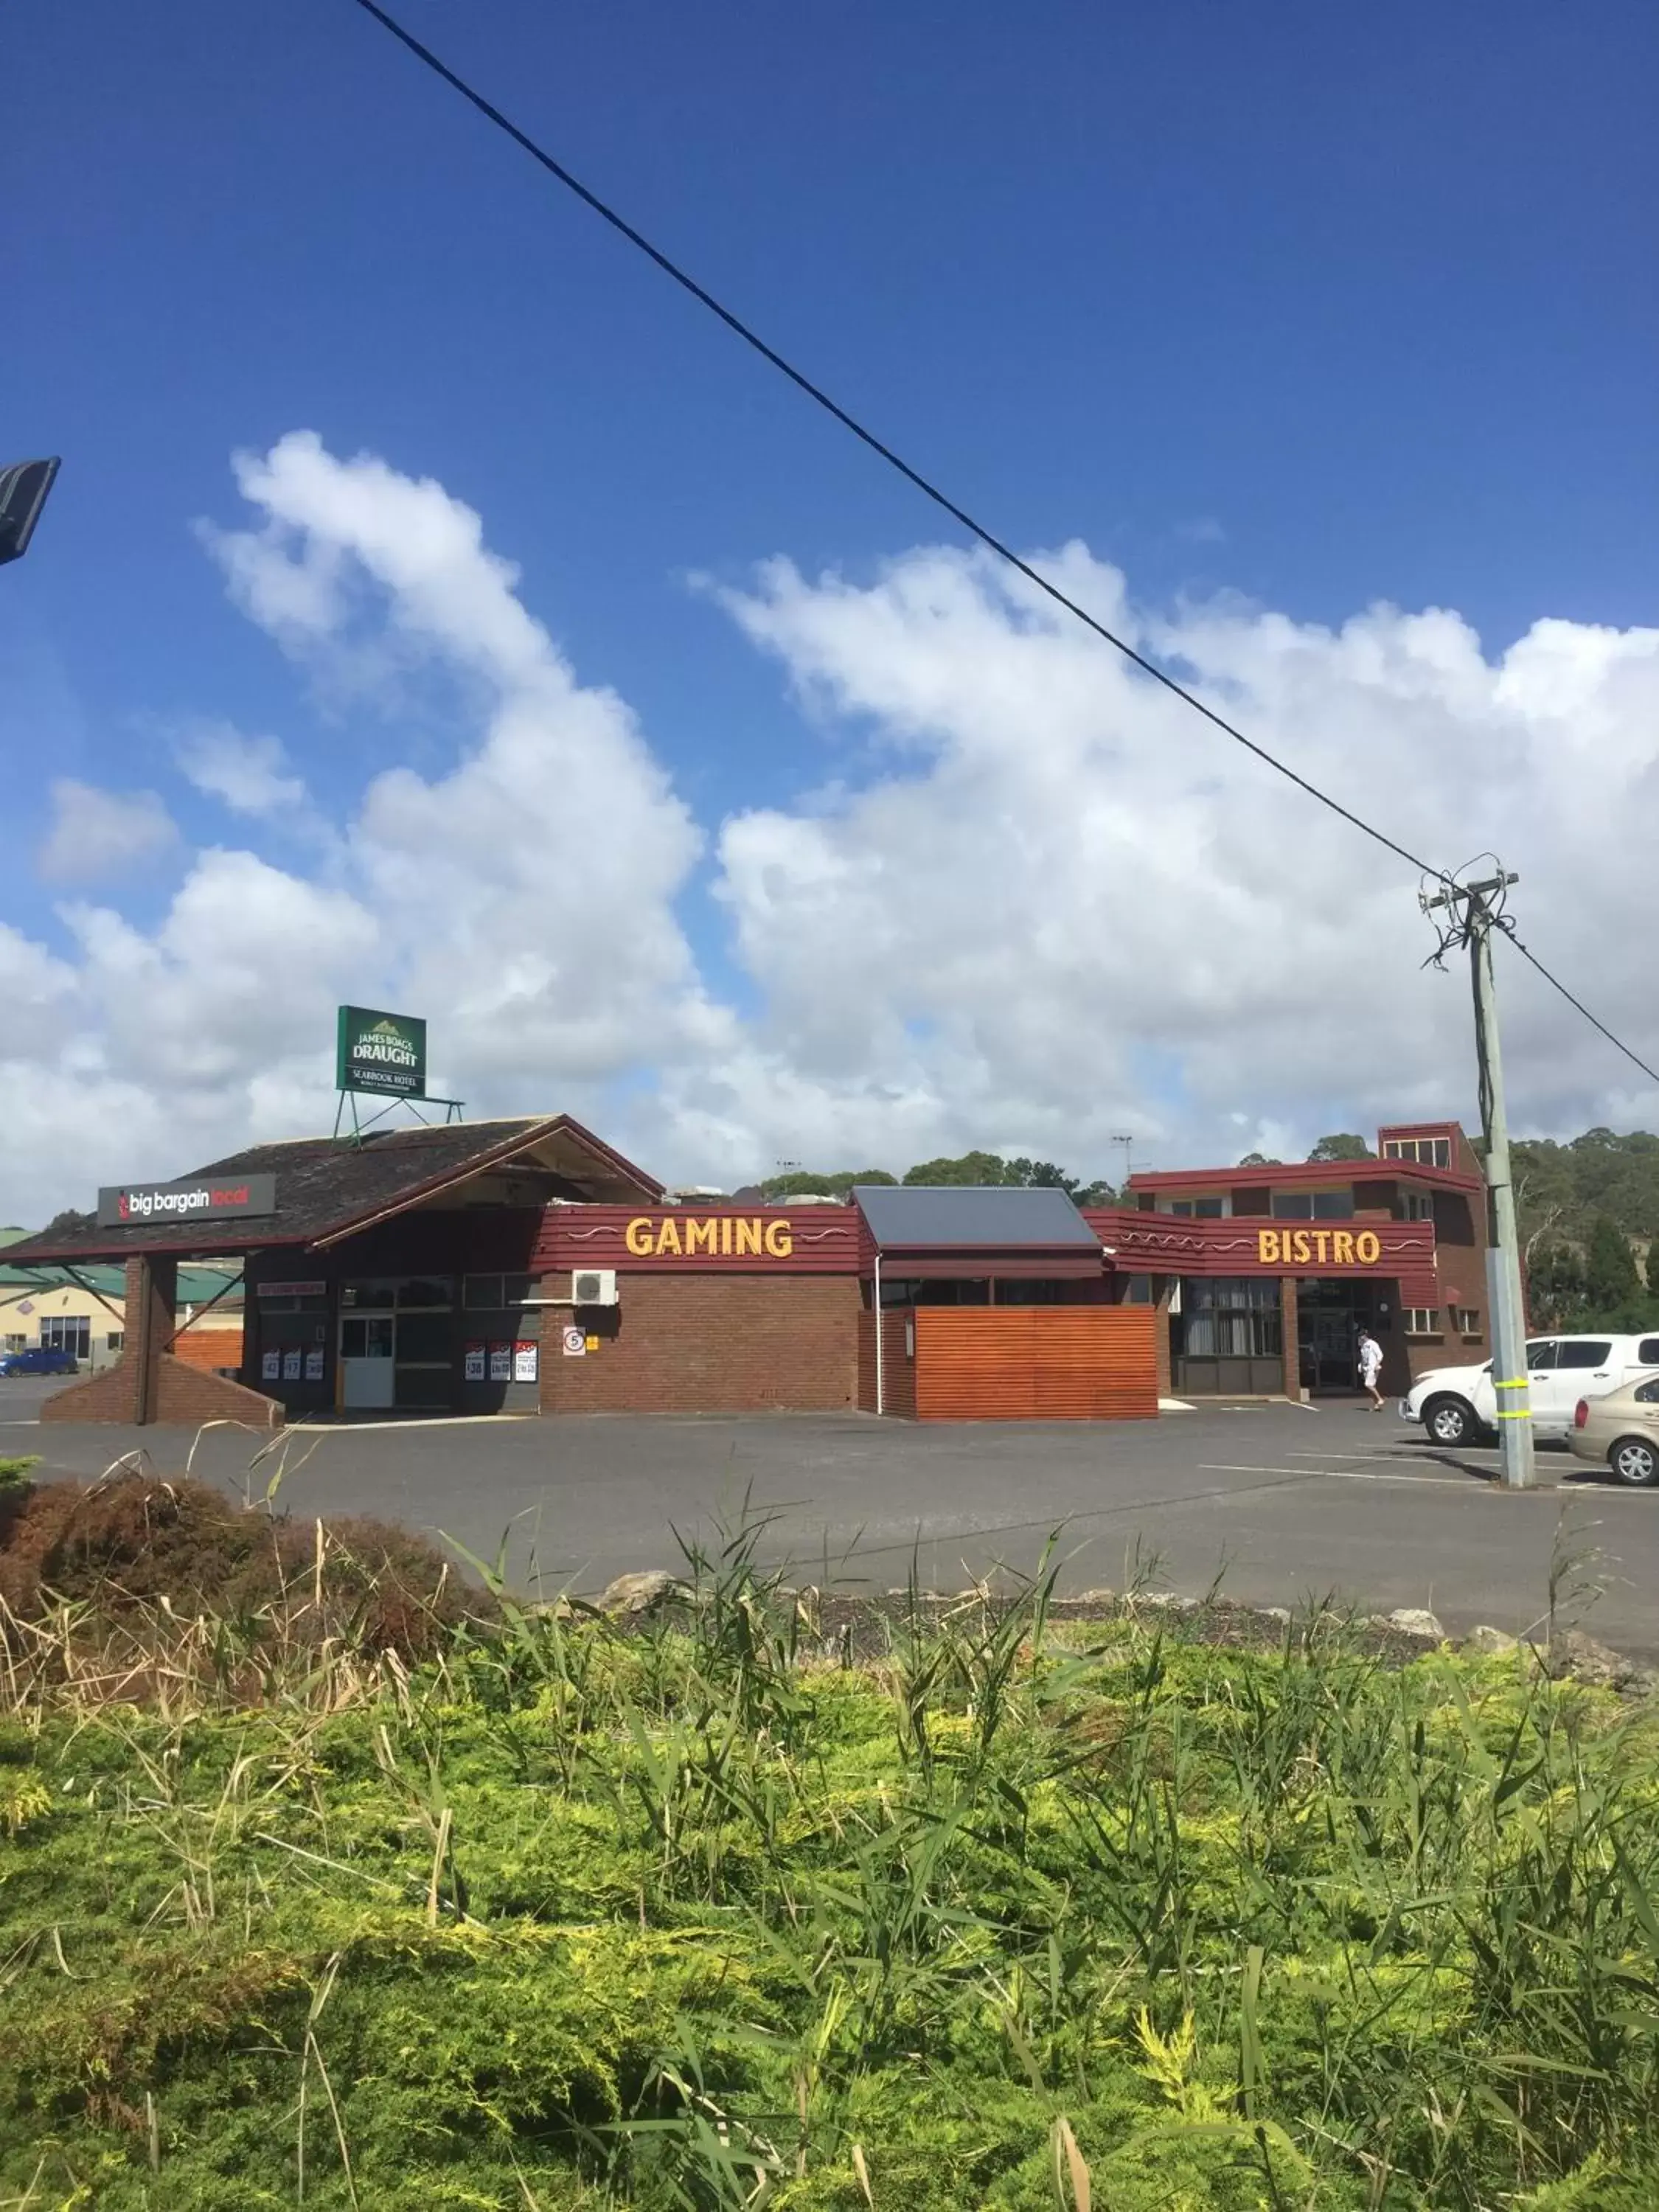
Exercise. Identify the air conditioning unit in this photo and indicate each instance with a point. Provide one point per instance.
(593, 1287)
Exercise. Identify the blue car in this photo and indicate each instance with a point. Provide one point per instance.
(38, 1359)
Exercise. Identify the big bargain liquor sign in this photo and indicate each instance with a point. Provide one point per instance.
(678, 1239)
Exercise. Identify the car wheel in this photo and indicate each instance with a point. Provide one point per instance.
(1449, 1421)
(1635, 1460)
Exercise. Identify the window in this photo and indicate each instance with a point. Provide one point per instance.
(1231, 1317)
(491, 1293)
(1413, 1206)
(1204, 1209)
(1292, 1205)
(1422, 1320)
(1647, 1352)
(16, 1343)
(116, 1339)
(1427, 1151)
(1332, 1205)
(1138, 1292)
(1585, 1351)
(1540, 1357)
(1466, 1320)
(381, 1293)
(67, 1333)
(1647, 1393)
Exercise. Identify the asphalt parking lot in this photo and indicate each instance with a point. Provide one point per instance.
(1287, 1503)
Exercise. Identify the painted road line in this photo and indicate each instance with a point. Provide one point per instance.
(1343, 1474)
(409, 1421)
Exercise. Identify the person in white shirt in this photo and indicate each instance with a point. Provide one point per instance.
(1371, 1366)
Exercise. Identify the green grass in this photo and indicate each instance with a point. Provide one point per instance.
(1020, 1917)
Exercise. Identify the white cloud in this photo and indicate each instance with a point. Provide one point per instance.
(1035, 902)
(247, 773)
(96, 834)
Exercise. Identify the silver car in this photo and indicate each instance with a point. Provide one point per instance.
(1622, 1432)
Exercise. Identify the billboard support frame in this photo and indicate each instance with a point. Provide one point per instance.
(453, 1111)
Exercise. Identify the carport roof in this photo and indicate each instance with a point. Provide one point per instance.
(328, 1188)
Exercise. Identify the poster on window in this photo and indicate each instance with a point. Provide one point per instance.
(314, 1365)
(500, 1362)
(473, 1366)
(524, 1359)
(271, 1367)
(291, 1359)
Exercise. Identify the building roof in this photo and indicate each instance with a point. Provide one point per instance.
(328, 1188)
(1302, 1174)
(970, 1216)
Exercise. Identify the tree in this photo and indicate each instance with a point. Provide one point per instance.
(1259, 1160)
(1040, 1175)
(801, 1182)
(970, 1167)
(1610, 1277)
(1555, 1284)
(67, 1223)
(1653, 1267)
(1343, 1147)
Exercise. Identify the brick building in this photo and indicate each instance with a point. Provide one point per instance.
(525, 1266)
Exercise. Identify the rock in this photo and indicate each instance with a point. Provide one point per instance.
(1412, 1620)
(1574, 1657)
(1090, 1597)
(640, 1593)
(1487, 1642)
(1280, 1612)
(1166, 1602)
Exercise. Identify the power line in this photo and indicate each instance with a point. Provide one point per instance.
(930, 490)
(816, 393)
(1555, 983)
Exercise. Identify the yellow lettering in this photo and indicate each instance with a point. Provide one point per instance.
(668, 1238)
(748, 1238)
(1303, 1251)
(637, 1237)
(779, 1239)
(1321, 1238)
(1368, 1247)
(1342, 1247)
(726, 1235)
(701, 1236)
(1267, 1247)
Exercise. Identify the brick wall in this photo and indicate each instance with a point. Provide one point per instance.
(708, 1344)
(185, 1397)
(898, 1363)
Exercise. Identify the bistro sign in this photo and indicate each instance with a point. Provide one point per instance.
(385, 1053)
(196, 1199)
(1318, 1248)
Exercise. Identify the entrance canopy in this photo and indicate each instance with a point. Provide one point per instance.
(930, 1232)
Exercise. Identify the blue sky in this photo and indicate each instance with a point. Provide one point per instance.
(1318, 306)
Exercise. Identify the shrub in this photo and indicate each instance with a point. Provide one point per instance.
(138, 1541)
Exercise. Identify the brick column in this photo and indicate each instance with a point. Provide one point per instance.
(1289, 1357)
(152, 1295)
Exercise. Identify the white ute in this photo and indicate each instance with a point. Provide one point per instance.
(1456, 1404)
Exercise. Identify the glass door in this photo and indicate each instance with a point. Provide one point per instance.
(367, 1366)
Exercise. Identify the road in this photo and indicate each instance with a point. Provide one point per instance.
(1287, 1503)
